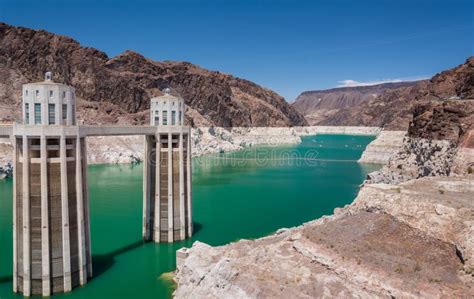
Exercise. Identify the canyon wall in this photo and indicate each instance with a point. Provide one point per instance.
(318, 106)
(117, 90)
(392, 108)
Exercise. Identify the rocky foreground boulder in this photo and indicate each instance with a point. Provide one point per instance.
(410, 240)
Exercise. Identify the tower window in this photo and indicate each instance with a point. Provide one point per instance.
(165, 118)
(26, 92)
(64, 112)
(64, 94)
(37, 113)
(180, 117)
(173, 117)
(37, 92)
(50, 93)
(52, 114)
(27, 113)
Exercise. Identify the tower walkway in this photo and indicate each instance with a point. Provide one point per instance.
(6, 131)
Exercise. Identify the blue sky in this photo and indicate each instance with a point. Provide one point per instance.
(288, 46)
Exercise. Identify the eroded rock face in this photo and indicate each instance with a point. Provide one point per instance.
(440, 141)
(380, 246)
(416, 158)
(448, 120)
(118, 89)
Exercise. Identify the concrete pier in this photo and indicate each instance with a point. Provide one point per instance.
(167, 195)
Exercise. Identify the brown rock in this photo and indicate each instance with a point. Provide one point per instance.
(118, 89)
(392, 108)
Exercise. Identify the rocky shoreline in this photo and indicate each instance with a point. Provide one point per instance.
(409, 233)
(390, 242)
(383, 147)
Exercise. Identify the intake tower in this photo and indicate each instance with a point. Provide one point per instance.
(167, 206)
(51, 234)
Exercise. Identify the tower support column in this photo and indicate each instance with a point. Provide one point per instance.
(147, 200)
(170, 189)
(26, 218)
(45, 256)
(157, 218)
(65, 215)
(87, 217)
(182, 210)
(189, 185)
(15, 194)
(80, 214)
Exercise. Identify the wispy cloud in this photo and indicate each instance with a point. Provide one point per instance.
(353, 83)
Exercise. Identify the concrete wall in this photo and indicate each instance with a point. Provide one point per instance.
(167, 193)
(51, 254)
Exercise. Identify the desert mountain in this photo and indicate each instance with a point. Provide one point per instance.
(118, 89)
(393, 108)
(318, 105)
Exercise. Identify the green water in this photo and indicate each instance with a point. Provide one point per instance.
(246, 194)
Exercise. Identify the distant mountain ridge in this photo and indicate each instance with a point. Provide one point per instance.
(118, 89)
(393, 108)
(317, 105)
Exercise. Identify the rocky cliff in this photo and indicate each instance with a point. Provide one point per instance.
(118, 89)
(393, 108)
(319, 105)
(440, 141)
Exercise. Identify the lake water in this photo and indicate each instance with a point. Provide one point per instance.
(247, 194)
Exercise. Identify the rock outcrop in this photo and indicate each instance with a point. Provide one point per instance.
(391, 242)
(440, 141)
(118, 89)
(418, 157)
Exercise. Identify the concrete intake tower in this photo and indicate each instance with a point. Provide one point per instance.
(51, 233)
(167, 208)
